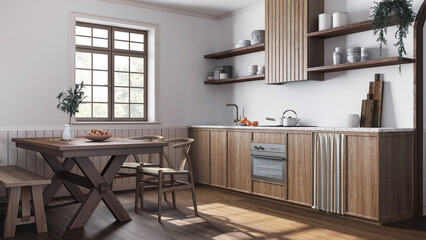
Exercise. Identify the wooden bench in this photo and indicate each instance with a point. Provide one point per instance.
(17, 180)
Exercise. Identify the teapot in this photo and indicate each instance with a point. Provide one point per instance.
(289, 121)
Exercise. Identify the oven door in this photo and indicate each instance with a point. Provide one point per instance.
(268, 167)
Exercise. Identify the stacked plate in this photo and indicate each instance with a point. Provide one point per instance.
(252, 69)
(354, 54)
(243, 43)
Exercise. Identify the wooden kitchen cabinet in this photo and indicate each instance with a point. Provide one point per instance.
(288, 50)
(201, 155)
(299, 165)
(239, 175)
(218, 158)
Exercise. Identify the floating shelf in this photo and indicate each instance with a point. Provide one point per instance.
(345, 30)
(360, 65)
(236, 80)
(237, 52)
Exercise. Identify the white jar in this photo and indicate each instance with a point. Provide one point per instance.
(352, 120)
(340, 19)
(325, 21)
(337, 58)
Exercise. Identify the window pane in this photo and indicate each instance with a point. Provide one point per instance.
(121, 79)
(84, 110)
(121, 45)
(100, 42)
(84, 31)
(121, 110)
(100, 77)
(136, 64)
(136, 80)
(121, 63)
(136, 95)
(101, 33)
(83, 76)
(135, 37)
(83, 60)
(100, 61)
(100, 94)
(136, 110)
(136, 47)
(121, 95)
(86, 41)
(121, 35)
(87, 93)
(100, 110)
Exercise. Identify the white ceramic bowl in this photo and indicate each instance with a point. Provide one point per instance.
(223, 76)
(98, 138)
(244, 42)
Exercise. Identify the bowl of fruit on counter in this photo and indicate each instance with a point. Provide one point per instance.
(98, 135)
(246, 122)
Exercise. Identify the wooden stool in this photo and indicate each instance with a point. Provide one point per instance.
(17, 180)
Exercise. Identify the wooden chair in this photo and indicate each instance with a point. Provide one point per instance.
(170, 184)
(21, 184)
(138, 162)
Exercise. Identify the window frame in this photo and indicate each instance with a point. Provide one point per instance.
(111, 52)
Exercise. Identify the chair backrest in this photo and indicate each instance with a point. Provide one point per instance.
(185, 145)
(150, 138)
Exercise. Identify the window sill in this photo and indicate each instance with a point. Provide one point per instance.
(115, 123)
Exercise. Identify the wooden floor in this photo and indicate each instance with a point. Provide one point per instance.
(224, 215)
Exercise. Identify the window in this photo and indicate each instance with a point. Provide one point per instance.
(112, 63)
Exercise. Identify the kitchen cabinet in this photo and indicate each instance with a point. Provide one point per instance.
(218, 158)
(299, 165)
(239, 160)
(201, 156)
(269, 189)
(288, 51)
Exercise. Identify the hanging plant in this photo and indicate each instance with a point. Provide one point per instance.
(393, 12)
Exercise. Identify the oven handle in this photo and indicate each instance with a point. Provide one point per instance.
(268, 157)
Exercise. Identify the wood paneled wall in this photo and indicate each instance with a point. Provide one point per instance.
(32, 161)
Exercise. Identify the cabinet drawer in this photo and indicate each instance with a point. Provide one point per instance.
(269, 189)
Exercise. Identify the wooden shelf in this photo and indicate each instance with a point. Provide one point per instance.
(345, 30)
(360, 65)
(236, 80)
(237, 52)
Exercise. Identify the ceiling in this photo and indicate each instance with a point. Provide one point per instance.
(213, 9)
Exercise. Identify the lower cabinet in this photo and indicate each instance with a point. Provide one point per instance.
(239, 170)
(299, 165)
(201, 155)
(218, 158)
(269, 189)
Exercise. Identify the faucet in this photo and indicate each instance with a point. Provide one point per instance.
(236, 113)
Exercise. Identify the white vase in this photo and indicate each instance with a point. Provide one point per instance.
(68, 134)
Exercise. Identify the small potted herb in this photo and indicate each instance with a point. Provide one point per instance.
(393, 12)
(69, 102)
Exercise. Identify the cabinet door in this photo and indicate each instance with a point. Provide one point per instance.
(201, 156)
(362, 177)
(288, 50)
(239, 175)
(218, 158)
(273, 138)
(299, 164)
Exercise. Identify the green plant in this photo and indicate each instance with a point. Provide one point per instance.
(70, 100)
(393, 12)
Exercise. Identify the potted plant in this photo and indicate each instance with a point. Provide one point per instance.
(69, 102)
(393, 12)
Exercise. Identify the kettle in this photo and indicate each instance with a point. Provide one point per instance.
(289, 121)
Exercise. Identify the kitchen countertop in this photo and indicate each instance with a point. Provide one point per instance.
(332, 129)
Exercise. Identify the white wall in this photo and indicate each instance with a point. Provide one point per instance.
(321, 103)
(35, 63)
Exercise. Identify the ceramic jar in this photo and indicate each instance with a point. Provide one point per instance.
(325, 21)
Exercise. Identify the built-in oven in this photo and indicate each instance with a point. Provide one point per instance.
(268, 162)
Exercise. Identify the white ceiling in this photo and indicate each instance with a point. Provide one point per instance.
(213, 9)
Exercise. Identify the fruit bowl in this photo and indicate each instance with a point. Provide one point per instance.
(98, 138)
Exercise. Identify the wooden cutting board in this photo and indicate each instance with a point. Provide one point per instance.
(367, 113)
(371, 110)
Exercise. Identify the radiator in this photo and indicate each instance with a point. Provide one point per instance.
(328, 172)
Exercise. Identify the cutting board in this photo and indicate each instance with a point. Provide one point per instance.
(371, 110)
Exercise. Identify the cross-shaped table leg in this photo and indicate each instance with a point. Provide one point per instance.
(57, 181)
(100, 191)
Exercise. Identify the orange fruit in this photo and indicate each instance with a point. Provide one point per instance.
(248, 123)
(255, 123)
(244, 119)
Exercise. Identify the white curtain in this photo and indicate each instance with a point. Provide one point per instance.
(328, 172)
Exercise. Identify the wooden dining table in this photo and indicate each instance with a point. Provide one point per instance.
(78, 152)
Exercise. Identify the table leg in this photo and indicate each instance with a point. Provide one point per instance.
(100, 191)
(58, 167)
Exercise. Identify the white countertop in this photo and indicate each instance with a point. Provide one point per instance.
(332, 129)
